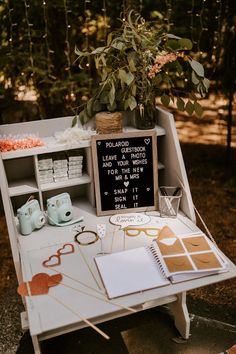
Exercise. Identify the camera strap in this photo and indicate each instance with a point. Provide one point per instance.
(71, 222)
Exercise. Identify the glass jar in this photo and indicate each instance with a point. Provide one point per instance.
(144, 116)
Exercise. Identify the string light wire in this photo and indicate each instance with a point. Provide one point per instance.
(45, 37)
(67, 51)
(10, 40)
(29, 25)
(104, 10)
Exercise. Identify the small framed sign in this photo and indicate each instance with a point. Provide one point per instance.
(125, 172)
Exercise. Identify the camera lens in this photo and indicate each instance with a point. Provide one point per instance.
(38, 219)
(65, 213)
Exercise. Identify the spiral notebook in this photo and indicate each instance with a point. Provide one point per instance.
(129, 272)
(160, 264)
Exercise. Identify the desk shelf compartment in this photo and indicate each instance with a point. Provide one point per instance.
(20, 174)
(63, 169)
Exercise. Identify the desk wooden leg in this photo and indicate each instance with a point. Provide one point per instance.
(181, 316)
(36, 345)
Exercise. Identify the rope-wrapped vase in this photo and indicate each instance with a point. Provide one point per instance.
(109, 122)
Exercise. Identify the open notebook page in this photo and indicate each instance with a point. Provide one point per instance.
(129, 271)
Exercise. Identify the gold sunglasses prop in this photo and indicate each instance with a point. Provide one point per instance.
(149, 231)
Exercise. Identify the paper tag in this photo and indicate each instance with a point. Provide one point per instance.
(133, 219)
(101, 230)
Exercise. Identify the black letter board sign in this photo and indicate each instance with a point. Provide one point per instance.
(125, 172)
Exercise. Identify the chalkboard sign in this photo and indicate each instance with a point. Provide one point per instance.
(125, 172)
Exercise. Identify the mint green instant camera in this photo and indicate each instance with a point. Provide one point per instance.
(30, 217)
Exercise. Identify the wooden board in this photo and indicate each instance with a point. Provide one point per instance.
(125, 172)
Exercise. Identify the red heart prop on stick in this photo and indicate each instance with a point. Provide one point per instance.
(54, 279)
(39, 285)
(52, 261)
(67, 248)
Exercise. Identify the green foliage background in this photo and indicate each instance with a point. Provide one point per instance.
(61, 91)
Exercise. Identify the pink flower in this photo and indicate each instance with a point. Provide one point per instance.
(160, 61)
(17, 144)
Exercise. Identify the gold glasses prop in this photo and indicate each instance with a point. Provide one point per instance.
(149, 231)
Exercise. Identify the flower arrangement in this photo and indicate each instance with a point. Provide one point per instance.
(140, 63)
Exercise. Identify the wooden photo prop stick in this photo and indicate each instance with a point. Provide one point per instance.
(90, 324)
(92, 295)
(89, 268)
(79, 282)
(113, 236)
(101, 299)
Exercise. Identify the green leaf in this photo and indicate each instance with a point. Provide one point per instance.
(134, 89)
(103, 60)
(172, 44)
(80, 53)
(129, 78)
(111, 108)
(109, 38)
(172, 36)
(132, 103)
(126, 104)
(201, 89)
(118, 45)
(197, 67)
(104, 75)
(83, 117)
(198, 109)
(180, 104)
(157, 79)
(89, 107)
(134, 45)
(185, 43)
(192, 96)
(122, 75)
(97, 106)
(112, 94)
(179, 67)
(126, 77)
(103, 98)
(74, 121)
(165, 100)
(206, 83)
(189, 108)
(98, 50)
(131, 65)
(195, 80)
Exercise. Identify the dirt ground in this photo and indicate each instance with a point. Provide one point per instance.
(212, 179)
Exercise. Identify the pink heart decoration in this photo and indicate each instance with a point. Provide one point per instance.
(67, 248)
(52, 261)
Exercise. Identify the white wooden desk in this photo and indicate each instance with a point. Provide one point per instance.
(46, 317)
